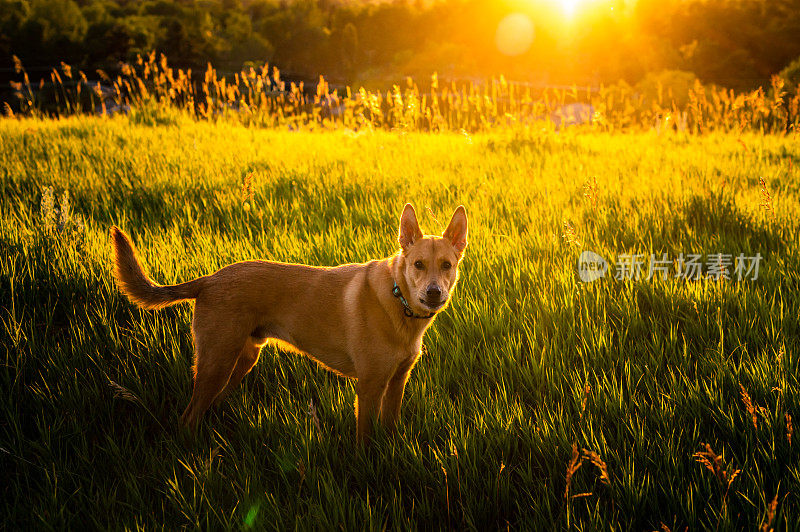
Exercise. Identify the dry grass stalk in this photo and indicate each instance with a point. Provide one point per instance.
(312, 411)
(122, 392)
(569, 234)
(748, 404)
(594, 458)
(713, 462)
(590, 190)
(573, 465)
(586, 390)
(446, 489)
(247, 191)
(789, 428)
(767, 526)
(766, 197)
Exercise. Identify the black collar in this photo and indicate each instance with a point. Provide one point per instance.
(406, 308)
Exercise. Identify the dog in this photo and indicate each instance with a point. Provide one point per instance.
(364, 321)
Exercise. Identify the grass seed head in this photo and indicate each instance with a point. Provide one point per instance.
(595, 459)
(766, 197)
(773, 506)
(748, 404)
(789, 428)
(575, 462)
(121, 392)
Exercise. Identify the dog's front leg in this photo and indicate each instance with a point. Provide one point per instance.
(369, 391)
(393, 398)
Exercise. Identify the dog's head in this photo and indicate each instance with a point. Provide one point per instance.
(429, 264)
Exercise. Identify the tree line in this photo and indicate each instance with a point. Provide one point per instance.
(738, 44)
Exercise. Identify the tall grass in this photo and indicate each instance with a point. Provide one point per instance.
(541, 402)
(152, 92)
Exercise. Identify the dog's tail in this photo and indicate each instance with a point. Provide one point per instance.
(134, 282)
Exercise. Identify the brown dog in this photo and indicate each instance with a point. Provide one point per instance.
(359, 320)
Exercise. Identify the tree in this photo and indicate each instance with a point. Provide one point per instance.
(791, 76)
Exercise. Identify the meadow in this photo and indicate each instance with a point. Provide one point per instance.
(541, 402)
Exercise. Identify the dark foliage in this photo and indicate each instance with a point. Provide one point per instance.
(733, 43)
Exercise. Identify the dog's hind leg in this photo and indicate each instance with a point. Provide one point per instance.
(216, 359)
(247, 359)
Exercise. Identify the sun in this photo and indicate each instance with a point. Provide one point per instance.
(569, 6)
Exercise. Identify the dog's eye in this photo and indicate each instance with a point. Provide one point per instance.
(418, 265)
(446, 265)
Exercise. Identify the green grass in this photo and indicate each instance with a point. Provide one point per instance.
(495, 405)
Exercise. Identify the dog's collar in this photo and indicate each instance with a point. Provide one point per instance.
(406, 307)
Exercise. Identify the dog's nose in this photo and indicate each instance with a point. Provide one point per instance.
(434, 292)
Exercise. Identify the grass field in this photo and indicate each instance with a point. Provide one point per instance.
(526, 365)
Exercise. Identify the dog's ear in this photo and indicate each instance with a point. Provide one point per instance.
(456, 231)
(409, 227)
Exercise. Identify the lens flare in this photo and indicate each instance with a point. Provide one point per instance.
(514, 34)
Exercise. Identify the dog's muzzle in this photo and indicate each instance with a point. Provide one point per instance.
(433, 298)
